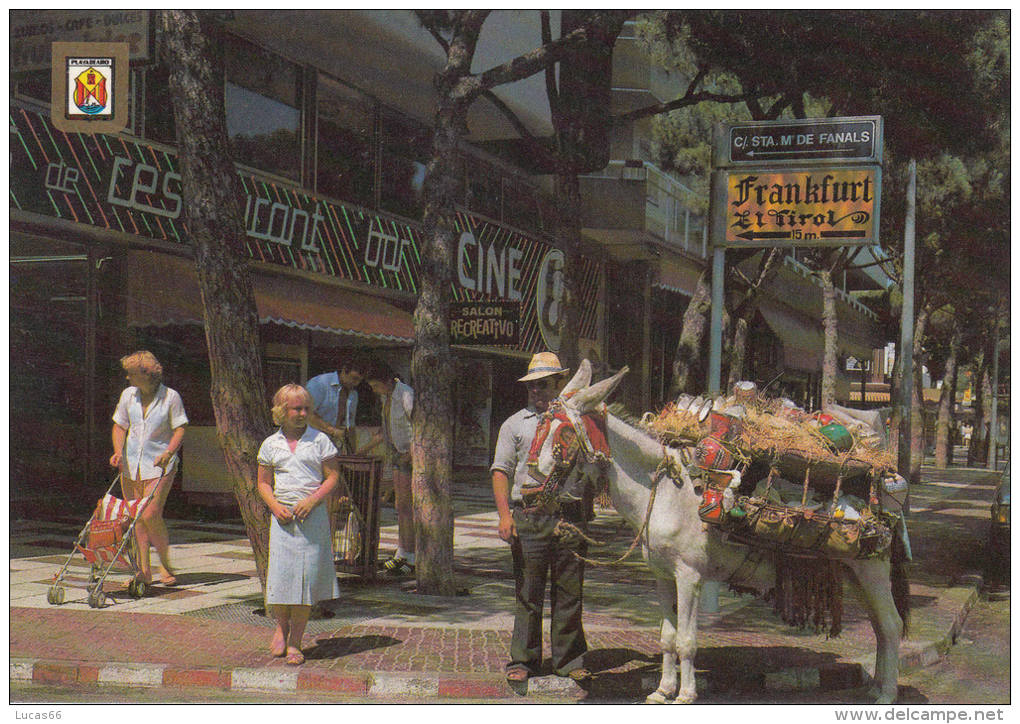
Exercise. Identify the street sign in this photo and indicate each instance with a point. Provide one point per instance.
(817, 140)
(797, 207)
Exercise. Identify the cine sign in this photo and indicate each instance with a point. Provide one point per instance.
(491, 324)
(805, 207)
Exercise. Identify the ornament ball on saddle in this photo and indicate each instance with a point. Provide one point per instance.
(775, 476)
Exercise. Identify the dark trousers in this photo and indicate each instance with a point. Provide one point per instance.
(538, 554)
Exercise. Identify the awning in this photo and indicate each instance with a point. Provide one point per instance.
(676, 277)
(803, 345)
(163, 290)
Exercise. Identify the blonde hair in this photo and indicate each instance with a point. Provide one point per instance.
(145, 362)
(284, 394)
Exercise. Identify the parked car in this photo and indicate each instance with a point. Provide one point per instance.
(998, 537)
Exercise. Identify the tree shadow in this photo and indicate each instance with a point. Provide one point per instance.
(207, 579)
(340, 646)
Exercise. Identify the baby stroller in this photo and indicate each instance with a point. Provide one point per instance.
(107, 541)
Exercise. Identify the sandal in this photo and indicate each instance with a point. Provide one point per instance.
(580, 675)
(398, 566)
(167, 577)
(295, 657)
(517, 676)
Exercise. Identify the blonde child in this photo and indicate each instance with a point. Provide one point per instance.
(298, 470)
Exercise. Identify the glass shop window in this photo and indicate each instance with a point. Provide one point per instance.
(406, 147)
(263, 109)
(346, 143)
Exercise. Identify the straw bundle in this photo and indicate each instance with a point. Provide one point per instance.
(768, 431)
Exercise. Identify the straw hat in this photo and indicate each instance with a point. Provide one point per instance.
(543, 364)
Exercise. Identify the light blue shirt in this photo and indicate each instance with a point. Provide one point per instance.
(325, 392)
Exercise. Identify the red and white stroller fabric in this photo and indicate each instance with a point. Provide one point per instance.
(113, 520)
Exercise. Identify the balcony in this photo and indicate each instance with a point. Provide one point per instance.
(631, 207)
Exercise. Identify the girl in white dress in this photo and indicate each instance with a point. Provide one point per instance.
(148, 430)
(298, 470)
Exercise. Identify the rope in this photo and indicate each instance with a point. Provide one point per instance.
(664, 468)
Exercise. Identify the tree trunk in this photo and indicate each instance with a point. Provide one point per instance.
(977, 453)
(829, 324)
(917, 397)
(568, 198)
(738, 351)
(745, 310)
(688, 349)
(431, 361)
(943, 428)
(211, 192)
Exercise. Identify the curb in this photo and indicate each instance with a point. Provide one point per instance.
(382, 685)
(933, 651)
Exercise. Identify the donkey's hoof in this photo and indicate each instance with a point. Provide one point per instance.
(880, 697)
(658, 697)
(685, 697)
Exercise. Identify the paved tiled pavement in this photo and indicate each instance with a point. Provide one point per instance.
(383, 639)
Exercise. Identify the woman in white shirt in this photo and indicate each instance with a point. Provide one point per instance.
(298, 471)
(148, 429)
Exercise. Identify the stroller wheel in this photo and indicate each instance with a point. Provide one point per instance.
(55, 595)
(97, 599)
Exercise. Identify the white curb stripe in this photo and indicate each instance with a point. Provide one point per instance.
(131, 674)
(403, 685)
(264, 679)
(552, 685)
(22, 670)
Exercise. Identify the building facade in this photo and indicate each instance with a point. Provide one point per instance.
(329, 124)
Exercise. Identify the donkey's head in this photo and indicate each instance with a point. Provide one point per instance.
(573, 431)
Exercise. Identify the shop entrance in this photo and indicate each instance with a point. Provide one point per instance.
(49, 404)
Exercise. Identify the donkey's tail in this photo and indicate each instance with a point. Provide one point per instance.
(898, 581)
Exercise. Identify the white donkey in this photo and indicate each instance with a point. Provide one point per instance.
(681, 552)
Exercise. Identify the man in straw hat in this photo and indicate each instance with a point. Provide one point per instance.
(537, 551)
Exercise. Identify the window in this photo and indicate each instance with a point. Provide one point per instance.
(406, 147)
(263, 109)
(159, 114)
(35, 85)
(346, 144)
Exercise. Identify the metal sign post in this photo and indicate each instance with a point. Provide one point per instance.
(806, 183)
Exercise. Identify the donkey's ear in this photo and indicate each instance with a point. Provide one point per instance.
(580, 380)
(590, 397)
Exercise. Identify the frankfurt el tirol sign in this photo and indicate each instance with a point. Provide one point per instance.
(804, 183)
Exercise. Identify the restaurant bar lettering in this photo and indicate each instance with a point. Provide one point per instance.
(117, 183)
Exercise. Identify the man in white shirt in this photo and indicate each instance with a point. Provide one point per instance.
(397, 401)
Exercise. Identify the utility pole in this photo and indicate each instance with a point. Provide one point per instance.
(715, 334)
(905, 353)
(993, 418)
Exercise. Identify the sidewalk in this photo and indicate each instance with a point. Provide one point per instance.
(383, 640)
